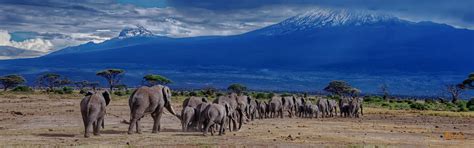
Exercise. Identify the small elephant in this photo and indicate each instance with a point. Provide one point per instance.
(93, 111)
(199, 118)
(253, 109)
(215, 114)
(187, 117)
(289, 105)
(313, 111)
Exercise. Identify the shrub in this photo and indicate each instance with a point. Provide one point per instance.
(470, 104)
(22, 89)
(68, 90)
(119, 93)
(419, 106)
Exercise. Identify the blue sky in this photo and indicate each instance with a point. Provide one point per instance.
(71, 22)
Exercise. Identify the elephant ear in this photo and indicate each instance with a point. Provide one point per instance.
(294, 99)
(204, 99)
(107, 98)
(89, 93)
(283, 100)
(166, 94)
(226, 106)
(249, 99)
(302, 100)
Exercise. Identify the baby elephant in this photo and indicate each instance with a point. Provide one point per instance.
(187, 117)
(93, 111)
(215, 114)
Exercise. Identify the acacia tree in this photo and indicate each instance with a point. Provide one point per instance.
(454, 91)
(384, 91)
(339, 87)
(113, 77)
(10, 81)
(237, 88)
(52, 80)
(152, 80)
(468, 83)
(209, 91)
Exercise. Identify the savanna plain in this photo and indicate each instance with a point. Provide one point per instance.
(40, 119)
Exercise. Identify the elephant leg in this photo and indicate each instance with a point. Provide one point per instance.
(97, 126)
(88, 128)
(206, 129)
(156, 118)
(133, 122)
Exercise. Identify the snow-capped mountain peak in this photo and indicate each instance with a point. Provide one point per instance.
(134, 32)
(323, 18)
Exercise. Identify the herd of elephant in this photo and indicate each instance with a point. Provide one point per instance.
(226, 112)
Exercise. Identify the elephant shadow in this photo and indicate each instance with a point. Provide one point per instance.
(189, 134)
(170, 130)
(111, 132)
(55, 135)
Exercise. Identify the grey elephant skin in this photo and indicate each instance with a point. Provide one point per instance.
(215, 114)
(262, 109)
(289, 105)
(323, 107)
(193, 102)
(93, 110)
(299, 106)
(276, 107)
(253, 109)
(149, 100)
(187, 117)
(356, 106)
(332, 108)
(234, 109)
(344, 107)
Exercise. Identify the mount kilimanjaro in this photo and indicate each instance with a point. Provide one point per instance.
(300, 53)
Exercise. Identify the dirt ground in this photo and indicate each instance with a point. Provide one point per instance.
(40, 120)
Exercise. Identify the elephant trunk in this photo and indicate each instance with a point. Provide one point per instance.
(171, 110)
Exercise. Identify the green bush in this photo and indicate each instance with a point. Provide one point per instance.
(470, 104)
(120, 93)
(58, 91)
(22, 89)
(68, 90)
(419, 106)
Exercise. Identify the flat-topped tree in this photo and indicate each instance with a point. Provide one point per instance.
(113, 76)
(338, 87)
(468, 83)
(52, 80)
(10, 81)
(153, 79)
(237, 88)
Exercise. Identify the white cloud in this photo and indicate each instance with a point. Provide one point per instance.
(36, 44)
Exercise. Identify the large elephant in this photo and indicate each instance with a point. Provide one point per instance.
(332, 107)
(149, 100)
(289, 105)
(299, 106)
(323, 107)
(234, 109)
(354, 107)
(262, 109)
(187, 117)
(199, 118)
(215, 114)
(243, 102)
(344, 107)
(93, 111)
(307, 108)
(276, 106)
